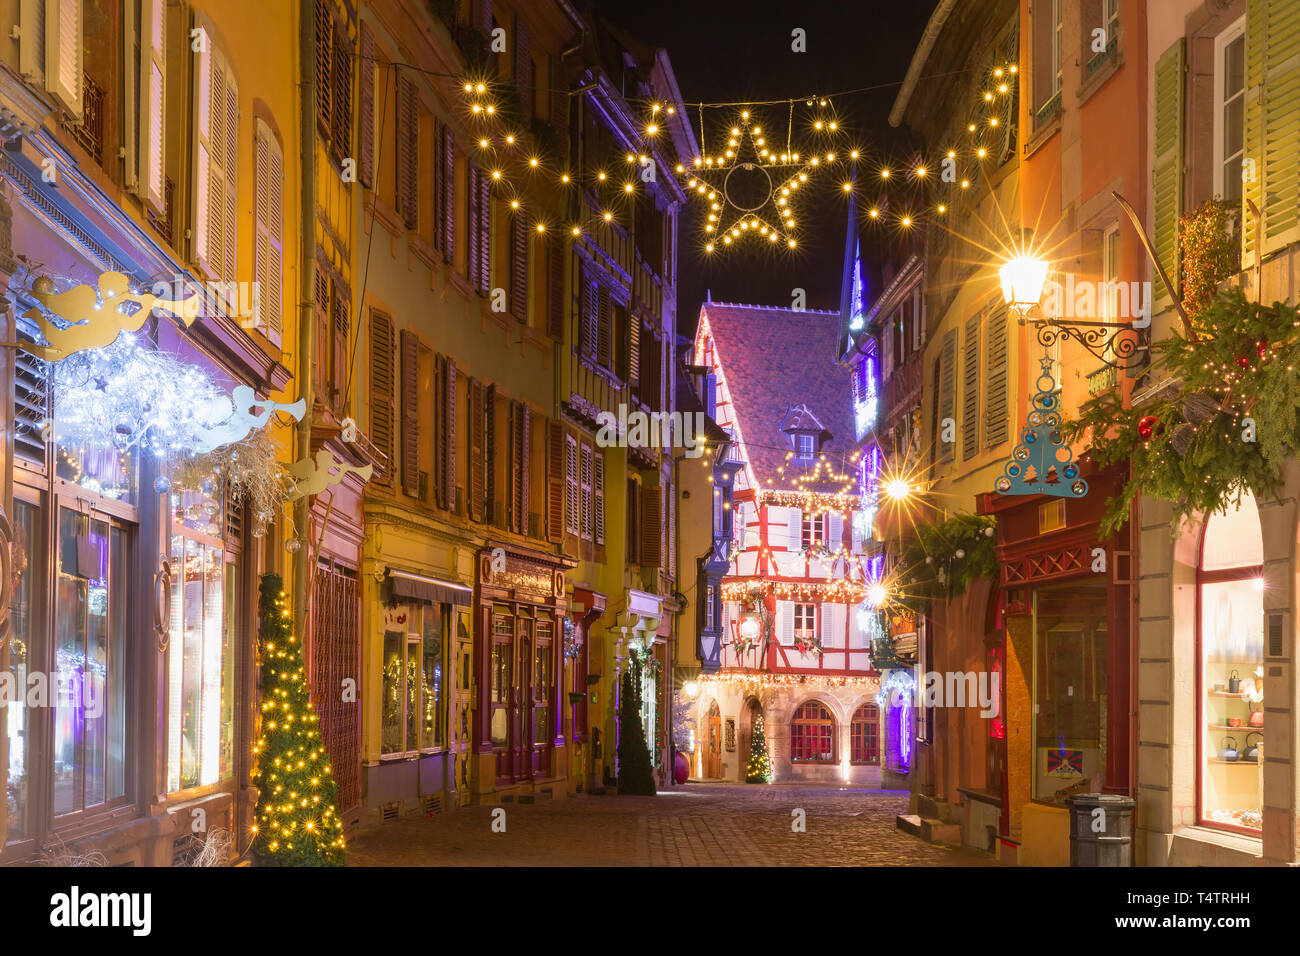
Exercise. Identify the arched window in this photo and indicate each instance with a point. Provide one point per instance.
(1230, 642)
(812, 734)
(864, 735)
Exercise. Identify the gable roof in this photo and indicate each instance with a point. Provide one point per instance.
(800, 418)
(772, 360)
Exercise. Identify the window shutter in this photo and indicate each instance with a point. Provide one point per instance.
(947, 391)
(480, 239)
(970, 389)
(447, 441)
(366, 108)
(471, 206)
(519, 266)
(632, 524)
(491, 507)
(152, 115)
(827, 614)
(476, 486)
(555, 306)
(381, 386)
(997, 385)
(1272, 122)
(63, 45)
(321, 371)
(785, 615)
(408, 152)
(834, 531)
(571, 494)
(231, 175)
(339, 364)
(523, 70)
(341, 96)
(269, 239)
(1167, 170)
(794, 524)
(650, 525)
(555, 481)
(410, 412)
(669, 537)
(324, 64)
(587, 303)
(520, 460)
(598, 496)
(447, 221)
(207, 164)
(584, 479)
(526, 470)
(31, 40)
(634, 351)
(604, 329)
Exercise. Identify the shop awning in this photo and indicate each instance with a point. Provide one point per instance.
(419, 588)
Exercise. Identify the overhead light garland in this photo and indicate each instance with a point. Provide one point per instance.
(739, 678)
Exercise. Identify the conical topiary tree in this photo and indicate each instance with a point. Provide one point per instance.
(635, 774)
(760, 767)
(297, 801)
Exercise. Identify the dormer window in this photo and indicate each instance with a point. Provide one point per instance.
(806, 433)
(805, 446)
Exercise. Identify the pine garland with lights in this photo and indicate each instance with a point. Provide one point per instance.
(760, 766)
(1195, 448)
(635, 772)
(297, 804)
(943, 558)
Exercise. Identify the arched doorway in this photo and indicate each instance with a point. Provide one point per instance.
(748, 717)
(713, 743)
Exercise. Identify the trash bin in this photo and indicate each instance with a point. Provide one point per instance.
(1101, 830)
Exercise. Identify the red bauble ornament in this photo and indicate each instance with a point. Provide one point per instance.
(1243, 361)
(1262, 346)
(1147, 427)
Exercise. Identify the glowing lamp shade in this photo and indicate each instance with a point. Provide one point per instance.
(692, 689)
(1022, 282)
(749, 627)
(876, 595)
(897, 490)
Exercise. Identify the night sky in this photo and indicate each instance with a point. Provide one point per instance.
(730, 50)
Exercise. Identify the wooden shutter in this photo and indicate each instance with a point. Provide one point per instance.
(785, 617)
(826, 612)
(947, 392)
(557, 299)
(216, 190)
(408, 152)
(480, 236)
(604, 328)
(525, 467)
(471, 206)
(834, 531)
(555, 480)
(324, 64)
(598, 496)
(520, 455)
(1272, 121)
(64, 43)
(651, 512)
(381, 386)
(523, 70)
(341, 96)
(632, 527)
(491, 506)
(410, 412)
(152, 116)
(268, 250)
(794, 529)
(584, 480)
(322, 310)
(1167, 170)
(339, 363)
(970, 389)
(590, 316)
(447, 219)
(519, 266)
(366, 108)
(571, 492)
(634, 351)
(476, 456)
(997, 385)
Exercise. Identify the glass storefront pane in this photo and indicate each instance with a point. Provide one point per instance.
(70, 662)
(210, 702)
(175, 664)
(228, 676)
(1069, 686)
(413, 684)
(94, 679)
(191, 663)
(102, 470)
(394, 693)
(115, 706)
(1232, 682)
(435, 626)
(24, 618)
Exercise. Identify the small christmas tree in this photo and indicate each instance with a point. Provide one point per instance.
(1043, 463)
(635, 774)
(297, 802)
(760, 767)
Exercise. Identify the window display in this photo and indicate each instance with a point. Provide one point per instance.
(413, 717)
(1232, 673)
(28, 559)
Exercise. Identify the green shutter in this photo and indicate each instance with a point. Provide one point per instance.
(1167, 173)
(996, 384)
(970, 390)
(1272, 134)
(947, 392)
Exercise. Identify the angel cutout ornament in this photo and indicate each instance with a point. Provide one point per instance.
(242, 422)
(311, 477)
(96, 316)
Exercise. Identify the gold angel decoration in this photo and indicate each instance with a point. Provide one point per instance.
(96, 315)
(312, 476)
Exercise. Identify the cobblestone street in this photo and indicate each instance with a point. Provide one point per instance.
(702, 824)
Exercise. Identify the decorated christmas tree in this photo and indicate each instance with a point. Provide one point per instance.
(1043, 463)
(635, 774)
(760, 767)
(297, 802)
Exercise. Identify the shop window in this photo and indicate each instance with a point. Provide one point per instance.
(1069, 687)
(1231, 651)
(542, 677)
(24, 628)
(412, 710)
(90, 758)
(864, 735)
(99, 469)
(501, 676)
(200, 680)
(812, 734)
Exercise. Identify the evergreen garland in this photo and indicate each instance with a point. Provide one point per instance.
(760, 767)
(635, 774)
(942, 560)
(297, 800)
(1227, 430)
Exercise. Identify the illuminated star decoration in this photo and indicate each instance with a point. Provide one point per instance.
(751, 183)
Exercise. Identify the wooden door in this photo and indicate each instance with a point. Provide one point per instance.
(713, 753)
(522, 717)
(502, 693)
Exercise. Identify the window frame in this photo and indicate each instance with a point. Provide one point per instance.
(1224, 39)
(864, 735)
(801, 739)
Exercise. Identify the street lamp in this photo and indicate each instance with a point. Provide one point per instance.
(749, 627)
(1022, 283)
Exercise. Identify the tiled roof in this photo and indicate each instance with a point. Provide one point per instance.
(801, 419)
(774, 359)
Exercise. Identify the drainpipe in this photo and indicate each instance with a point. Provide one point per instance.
(306, 297)
(919, 58)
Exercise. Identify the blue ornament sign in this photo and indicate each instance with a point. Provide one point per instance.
(1042, 463)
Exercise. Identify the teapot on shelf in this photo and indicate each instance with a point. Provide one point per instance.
(1227, 753)
(1252, 750)
(1234, 683)
(1256, 718)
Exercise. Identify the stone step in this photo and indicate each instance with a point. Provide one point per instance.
(928, 829)
(932, 808)
(908, 823)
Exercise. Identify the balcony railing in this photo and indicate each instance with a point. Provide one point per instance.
(90, 132)
(1100, 379)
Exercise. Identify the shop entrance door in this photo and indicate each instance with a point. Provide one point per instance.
(521, 718)
(713, 755)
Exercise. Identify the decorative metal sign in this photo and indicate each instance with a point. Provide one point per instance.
(1042, 463)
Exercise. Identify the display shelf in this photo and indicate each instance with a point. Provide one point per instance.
(1229, 728)
(1248, 763)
